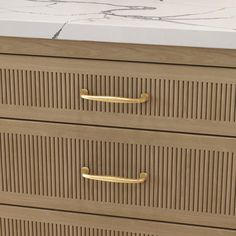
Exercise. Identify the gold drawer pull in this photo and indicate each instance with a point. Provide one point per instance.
(85, 95)
(142, 177)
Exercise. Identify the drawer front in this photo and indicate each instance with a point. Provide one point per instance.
(18, 221)
(191, 179)
(181, 98)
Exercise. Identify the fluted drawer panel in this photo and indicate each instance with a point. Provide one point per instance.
(19, 227)
(18, 221)
(200, 180)
(187, 174)
(49, 88)
(200, 100)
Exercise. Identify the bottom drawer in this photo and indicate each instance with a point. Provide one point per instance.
(19, 221)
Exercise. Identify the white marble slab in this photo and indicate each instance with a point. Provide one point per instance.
(197, 23)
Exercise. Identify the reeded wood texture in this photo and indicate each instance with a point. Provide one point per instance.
(182, 98)
(15, 221)
(192, 179)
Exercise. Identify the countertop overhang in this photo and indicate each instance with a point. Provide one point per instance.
(202, 23)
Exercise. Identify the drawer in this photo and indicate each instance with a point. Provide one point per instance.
(18, 221)
(180, 98)
(191, 179)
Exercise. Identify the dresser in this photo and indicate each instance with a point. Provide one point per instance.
(103, 133)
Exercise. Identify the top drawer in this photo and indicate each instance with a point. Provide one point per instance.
(181, 98)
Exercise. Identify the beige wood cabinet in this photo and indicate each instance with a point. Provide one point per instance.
(26, 221)
(181, 98)
(188, 175)
(172, 153)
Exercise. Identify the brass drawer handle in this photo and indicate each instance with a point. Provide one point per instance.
(85, 95)
(142, 177)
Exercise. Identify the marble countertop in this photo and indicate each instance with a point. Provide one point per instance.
(197, 23)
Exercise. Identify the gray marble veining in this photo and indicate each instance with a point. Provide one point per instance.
(204, 23)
